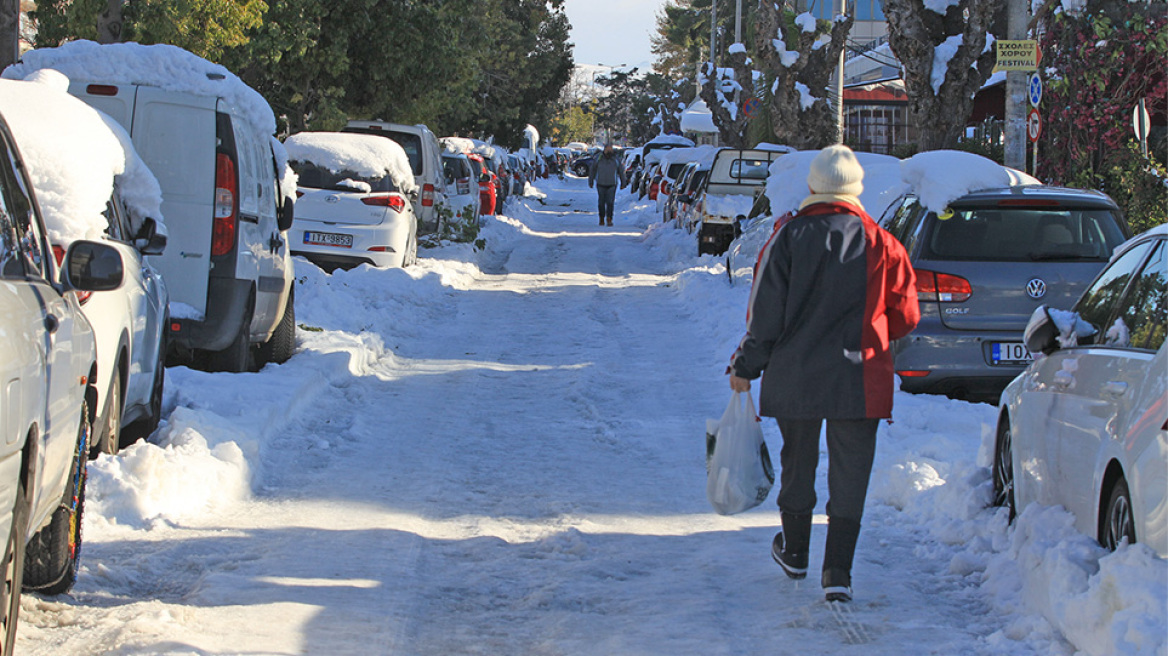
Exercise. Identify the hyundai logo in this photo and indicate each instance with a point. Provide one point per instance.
(1036, 288)
(334, 198)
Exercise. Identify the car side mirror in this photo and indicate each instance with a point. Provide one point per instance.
(150, 240)
(486, 177)
(1041, 334)
(91, 266)
(286, 215)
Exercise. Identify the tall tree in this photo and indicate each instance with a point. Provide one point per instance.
(801, 112)
(725, 89)
(945, 50)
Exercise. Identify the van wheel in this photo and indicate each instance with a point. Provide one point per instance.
(50, 565)
(141, 429)
(280, 347)
(111, 431)
(13, 571)
(238, 356)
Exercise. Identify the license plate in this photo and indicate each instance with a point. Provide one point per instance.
(328, 239)
(1010, 353)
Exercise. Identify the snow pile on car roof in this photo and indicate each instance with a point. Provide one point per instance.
(939, 177)
(703, 155)
(672, 139)
(787, 183)
(164, 66)
(74, 153)
(465, 146)
(366, 155)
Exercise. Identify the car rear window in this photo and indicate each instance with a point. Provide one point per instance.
(1023, 234)
(317, 177)
(675, 170)
(411, 143)
(750, 169)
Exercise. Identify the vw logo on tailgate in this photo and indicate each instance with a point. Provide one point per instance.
(1036, 288)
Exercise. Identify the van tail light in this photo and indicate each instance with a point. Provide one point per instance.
(59, 255)
(226, 206)
(101, 90)
(463, 186)
(942, 287)
(427, 195)
(392, 201)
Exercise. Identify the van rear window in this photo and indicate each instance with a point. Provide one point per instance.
(750, 169)
(1024, 235)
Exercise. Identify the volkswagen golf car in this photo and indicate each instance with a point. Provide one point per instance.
(983, 265)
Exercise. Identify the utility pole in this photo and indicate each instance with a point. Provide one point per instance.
(1017, 104)
(737, 21)
(841, 7)
(713, 33)
(9, 32)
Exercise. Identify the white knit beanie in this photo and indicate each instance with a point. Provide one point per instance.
(836, 171)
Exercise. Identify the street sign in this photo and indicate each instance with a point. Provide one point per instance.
(1141, 121)
(1034, 88)
(750, 106)
(1019, 56)
(1033, 125)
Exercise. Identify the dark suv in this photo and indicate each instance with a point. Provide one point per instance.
(983, 265)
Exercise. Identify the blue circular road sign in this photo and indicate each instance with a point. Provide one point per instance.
(1035, 89)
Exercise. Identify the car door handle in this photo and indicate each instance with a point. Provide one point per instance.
(52, 323)
(1115, 388)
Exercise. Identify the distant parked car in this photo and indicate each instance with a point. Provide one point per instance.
(461, 180)
(48, 364)
(486, 182)
(425, 154)
(79, 159)
(356, 201)
(737, 179)
(983, 265)
(1086, 425)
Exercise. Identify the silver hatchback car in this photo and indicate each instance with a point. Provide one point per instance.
(983, 265)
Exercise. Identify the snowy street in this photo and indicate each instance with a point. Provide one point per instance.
(502, 452)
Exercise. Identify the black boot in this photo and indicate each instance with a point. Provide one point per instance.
(837, 558)
(790, 546)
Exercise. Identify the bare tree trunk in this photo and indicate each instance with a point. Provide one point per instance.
(9, 32)
(914, 33)
(801, 111)
(109, 23)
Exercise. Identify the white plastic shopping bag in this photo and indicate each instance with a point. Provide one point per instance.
(739, 474)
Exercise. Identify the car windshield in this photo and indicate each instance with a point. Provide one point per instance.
(317, 177)
(750, 169)
(1023, 234)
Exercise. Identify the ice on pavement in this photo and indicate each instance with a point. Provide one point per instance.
(502, 451)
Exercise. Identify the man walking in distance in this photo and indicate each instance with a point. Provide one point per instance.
(831, 290)
(606, 173)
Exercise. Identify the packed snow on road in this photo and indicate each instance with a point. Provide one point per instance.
(501, 451)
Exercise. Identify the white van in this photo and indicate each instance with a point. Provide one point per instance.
(425, 156)
(227, 265)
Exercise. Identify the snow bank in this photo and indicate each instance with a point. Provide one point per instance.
(74, 154)
(730, 205)
(369, 156)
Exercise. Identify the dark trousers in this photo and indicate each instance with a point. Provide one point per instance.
(606, 199)
(851, 446)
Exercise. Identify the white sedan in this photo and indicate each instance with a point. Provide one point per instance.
(1086, 425)
(356, 200)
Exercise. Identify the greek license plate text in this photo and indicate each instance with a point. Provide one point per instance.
(1010, 352)
(328, 239)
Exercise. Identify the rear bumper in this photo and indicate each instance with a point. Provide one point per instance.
(227, 304)
(957, 363)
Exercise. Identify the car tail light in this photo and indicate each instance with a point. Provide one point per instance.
(912, 374)
(59, 255)
(299, 194)
(942, 287)
(382, 249)
(427, 195)
(101, 90)
(226, 208)
(392, 201)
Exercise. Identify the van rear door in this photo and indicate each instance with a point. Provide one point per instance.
(175, 134)
(117, 100)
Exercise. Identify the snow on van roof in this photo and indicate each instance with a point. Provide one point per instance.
(787, 184)
(703, 155)
(74, 154)
(163, 66)
(366, 155)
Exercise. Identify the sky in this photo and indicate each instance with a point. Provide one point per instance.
(613, 32)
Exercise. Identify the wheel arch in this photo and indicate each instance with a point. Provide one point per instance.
(1112, 473)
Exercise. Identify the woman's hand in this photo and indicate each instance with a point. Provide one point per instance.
(739, 384)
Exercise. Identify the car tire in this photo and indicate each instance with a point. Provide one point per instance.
(144, 427)
(50, 564)
(13, 564)
(111, 431)
(1118, 522)
(581, 171)
(282, 344)
(411, 251)
(238, 357)
(1003, 469)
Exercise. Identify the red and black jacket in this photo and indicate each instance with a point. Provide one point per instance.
(831, 291)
